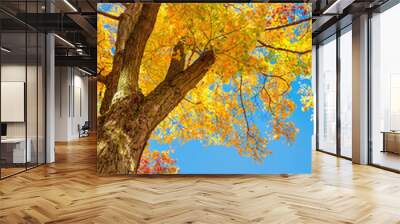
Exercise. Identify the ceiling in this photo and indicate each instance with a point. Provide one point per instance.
(332, 15)
(74, 21)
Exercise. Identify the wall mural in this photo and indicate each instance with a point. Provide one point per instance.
(204, 88)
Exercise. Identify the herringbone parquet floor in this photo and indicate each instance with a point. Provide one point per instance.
(70, 192)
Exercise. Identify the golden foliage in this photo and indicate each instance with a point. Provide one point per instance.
(214, 112)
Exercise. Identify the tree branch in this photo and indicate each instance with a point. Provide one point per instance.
(281, 78)
(170, 92)
(108, 15)
(177, 63)
(128, 83)
(283, 49)
(102, 79)
(248, 133)
(288, 24)
(127, 22)
(270, 99)
(192, 102)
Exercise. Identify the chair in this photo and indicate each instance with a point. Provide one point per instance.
(84, 130)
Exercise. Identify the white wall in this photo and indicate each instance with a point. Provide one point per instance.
(62, 81)
(33, 127)
(16, 73)
(80, 110)
(71, 102)
(12, 73)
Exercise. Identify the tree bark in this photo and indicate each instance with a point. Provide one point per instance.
(118, 134)
(122, 133)
(127, 126)
(127, 22)
(128, 117)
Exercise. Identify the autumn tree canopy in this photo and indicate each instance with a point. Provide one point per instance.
(224, 63)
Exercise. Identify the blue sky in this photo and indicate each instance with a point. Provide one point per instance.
(195, 158)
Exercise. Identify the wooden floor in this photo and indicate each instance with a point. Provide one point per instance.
(387, 159)
(5, 172)
(70, 192)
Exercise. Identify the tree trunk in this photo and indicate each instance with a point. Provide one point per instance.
(122, 133)
(123, 136)
(125, 129)
(127, 121)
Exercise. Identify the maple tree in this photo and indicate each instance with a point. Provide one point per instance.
(198, 72)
